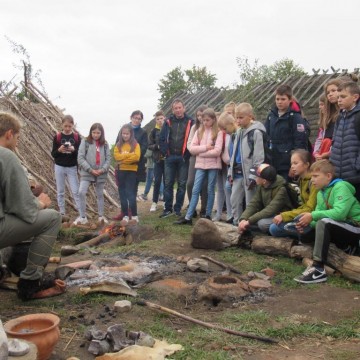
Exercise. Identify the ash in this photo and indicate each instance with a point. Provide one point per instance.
(134, 269)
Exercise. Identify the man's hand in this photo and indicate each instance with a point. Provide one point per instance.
(277, 219)
(44, 201)
(243, 225)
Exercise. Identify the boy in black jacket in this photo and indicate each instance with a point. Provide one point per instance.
(286, 130)
(154, 141)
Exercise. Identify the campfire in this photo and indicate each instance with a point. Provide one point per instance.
(113, 230)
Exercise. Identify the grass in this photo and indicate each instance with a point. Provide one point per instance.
(200, 343)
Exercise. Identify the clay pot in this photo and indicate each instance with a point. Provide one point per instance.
(40, 329)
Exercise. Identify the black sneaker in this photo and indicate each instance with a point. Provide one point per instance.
(203, 214)
(230, 221)
(312, 275)
(195, 214)
(183, 221)
(165, 214)
(207, 217)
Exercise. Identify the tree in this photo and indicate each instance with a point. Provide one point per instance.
(253, 74)
(27, 69)
(190, 81)
(256, 74)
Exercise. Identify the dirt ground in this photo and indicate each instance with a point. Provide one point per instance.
(327, 304)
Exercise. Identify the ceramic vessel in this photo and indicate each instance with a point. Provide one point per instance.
(40, 329)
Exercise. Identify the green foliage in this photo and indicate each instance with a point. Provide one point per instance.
(253, 73)
(190, 81)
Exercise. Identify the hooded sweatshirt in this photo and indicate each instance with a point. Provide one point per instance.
(337, 202)
(267, 202)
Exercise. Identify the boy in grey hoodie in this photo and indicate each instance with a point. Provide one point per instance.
(247, 153)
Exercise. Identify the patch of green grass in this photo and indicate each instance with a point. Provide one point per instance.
(68, 235)
(345, 329)
(92, 298)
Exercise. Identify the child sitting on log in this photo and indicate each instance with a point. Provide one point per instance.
(270, 198)
(336, 218)
(300, 167)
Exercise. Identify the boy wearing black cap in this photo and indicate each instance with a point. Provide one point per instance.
(270, 199)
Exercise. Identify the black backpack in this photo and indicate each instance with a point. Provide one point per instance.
(293, 194)
(267, 151)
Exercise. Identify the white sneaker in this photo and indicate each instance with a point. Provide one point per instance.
(104, 219)
(153, 207)
(80, 221)
(126, 218)
(136, 218)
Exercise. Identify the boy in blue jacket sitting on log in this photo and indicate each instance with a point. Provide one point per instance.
(336, 218)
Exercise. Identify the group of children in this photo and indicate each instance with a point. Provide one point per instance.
(250, 164)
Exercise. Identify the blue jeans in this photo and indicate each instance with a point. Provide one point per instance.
(280, 231)
(149, 180)
(176, 168)
(200, 176)
(159, 169)
(127, 191)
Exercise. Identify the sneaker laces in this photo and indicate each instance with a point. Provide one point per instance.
(310, 269)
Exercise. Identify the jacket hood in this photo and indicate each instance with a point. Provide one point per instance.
(294, 107)
(344, 183)
(255, 125)
(278, 182)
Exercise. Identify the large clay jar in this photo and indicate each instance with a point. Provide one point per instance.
(40, 329)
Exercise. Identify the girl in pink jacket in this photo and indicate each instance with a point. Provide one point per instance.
(207, 146)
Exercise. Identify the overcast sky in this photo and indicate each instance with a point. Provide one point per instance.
(101, 60)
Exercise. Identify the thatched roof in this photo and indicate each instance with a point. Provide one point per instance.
(41, 120)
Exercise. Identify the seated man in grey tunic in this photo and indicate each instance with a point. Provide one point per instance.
(22, 215)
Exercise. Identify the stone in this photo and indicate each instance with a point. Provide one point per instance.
(269, 272)
(145, 340)
(197, 264)
(62, 272)
(94, 334)
(260, 284)
(67, 250)
(18, 347)
(116, 335)
(99, 347)
(261, 276)
(205, 235)
(122, 306)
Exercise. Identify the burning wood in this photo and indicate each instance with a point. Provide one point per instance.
(113, 230)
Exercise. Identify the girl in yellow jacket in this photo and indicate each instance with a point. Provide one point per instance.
(300, 165)
(127, 156)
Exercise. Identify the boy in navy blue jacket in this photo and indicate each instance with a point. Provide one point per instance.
(286, 129)
(345, 153)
